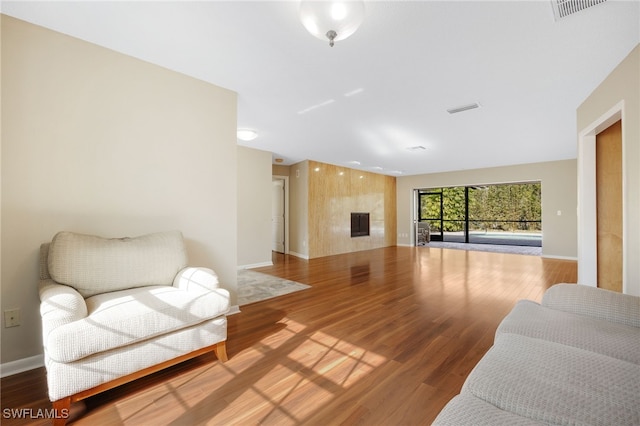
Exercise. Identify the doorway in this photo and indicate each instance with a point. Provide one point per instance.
(278, 215)
(609, 207)
(587, 197)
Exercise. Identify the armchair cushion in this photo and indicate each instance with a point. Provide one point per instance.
(196, 280)
(121, 318)
(60, 305)
(94, 265)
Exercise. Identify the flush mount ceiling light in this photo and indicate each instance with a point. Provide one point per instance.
(247, 134)
(331, 20)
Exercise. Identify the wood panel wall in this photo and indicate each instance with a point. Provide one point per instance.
(334, 193)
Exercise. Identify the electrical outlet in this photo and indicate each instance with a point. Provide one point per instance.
(12, 317)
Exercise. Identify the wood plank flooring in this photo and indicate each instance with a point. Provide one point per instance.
(383, 337)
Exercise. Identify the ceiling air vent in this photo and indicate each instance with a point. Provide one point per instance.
(564, 8)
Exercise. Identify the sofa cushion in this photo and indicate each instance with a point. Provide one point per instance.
(121, 318)
(466, 409)
(608, 338)
(94, 265)
(594, 302)
(555, 383)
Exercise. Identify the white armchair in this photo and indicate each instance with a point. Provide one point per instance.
(114, 310)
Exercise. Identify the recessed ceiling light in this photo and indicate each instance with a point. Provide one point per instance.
(354, 163)
(247, 134)
(463, 108)
(354, 92)
(316, 106)
(416, 148)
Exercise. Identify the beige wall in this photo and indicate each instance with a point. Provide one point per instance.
(97, 142)
(559, 193)
(622, 87)
(254, 207)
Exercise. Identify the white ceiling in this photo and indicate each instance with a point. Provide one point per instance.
(407, 64)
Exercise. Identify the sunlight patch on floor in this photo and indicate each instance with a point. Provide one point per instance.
(323, 366)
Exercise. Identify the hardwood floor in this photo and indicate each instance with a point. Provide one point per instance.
(382, 337)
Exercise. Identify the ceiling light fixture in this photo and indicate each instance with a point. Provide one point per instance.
(247, 134)
(332, 20)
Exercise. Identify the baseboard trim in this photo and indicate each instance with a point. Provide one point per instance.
(20, 365)
(255, 265)
(301, 256)
(551, 256)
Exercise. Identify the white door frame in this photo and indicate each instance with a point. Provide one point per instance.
(587, 207)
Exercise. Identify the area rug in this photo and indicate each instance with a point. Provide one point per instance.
(256, 286)
(531, 251)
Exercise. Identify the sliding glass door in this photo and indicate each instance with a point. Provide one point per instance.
(492, 214)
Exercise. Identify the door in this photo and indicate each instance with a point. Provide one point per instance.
(430, 211)
(277, 215)
(609, 207)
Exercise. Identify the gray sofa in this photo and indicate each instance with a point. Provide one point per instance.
(574, 359)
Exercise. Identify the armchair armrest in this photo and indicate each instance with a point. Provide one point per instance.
(59, 305)
(197, 280)
(594, 302)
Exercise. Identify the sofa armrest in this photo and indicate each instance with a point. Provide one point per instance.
(59, 305)
(594, 302)
(197, 280)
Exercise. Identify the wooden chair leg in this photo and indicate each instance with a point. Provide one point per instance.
(221, 351)
(61, 409)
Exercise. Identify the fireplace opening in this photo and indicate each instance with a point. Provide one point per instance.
(359, 224)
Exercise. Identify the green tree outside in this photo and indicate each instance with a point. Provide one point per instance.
(512, 207)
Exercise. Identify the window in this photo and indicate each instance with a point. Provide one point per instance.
(359, 224)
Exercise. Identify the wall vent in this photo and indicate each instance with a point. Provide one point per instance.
(564, 8)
